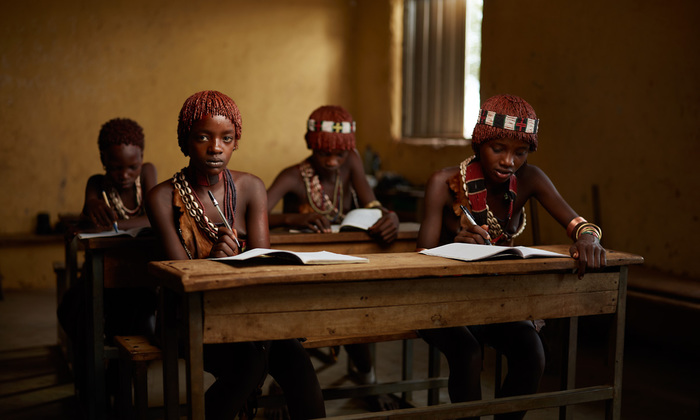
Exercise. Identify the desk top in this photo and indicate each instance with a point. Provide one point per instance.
(202, 275)
(278, 239)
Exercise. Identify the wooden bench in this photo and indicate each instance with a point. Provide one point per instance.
(134, 354)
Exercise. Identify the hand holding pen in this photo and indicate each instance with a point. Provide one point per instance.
(218, 209)
(114, 224)
(473, 222)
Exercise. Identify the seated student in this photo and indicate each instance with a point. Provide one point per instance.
(127, 178)
(183, 216)
(334, 166)
(495, 185)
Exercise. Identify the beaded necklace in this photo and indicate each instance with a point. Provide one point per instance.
(118, 205)
(195, 208)
(318, 199)
(495, 229)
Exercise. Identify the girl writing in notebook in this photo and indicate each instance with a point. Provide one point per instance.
(117, 196)
(494, 185)
(189, 226)
(320, 191)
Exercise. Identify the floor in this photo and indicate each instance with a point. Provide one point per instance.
(659, 382)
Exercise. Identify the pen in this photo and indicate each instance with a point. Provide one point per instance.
(104, 195)
(216, 204)
(471, 220)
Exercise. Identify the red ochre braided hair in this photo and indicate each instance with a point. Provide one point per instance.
(508, 105)
(206, 103)
(120, 131)
(321, 136)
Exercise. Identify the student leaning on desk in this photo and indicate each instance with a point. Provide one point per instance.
(494, 185)
(189, 227)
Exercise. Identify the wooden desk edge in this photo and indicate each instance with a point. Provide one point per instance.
(167, 274)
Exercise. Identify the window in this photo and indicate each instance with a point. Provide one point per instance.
(441, 61)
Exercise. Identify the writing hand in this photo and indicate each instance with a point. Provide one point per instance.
(316, 222)
(100, 214)
(386, 229)
(225, 245)
(474, 235)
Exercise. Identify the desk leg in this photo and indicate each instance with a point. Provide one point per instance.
(407, 367)
(195, 359)
(617, 347)
(94, 392)
(169, 301)
(568, 377)
(433, 372)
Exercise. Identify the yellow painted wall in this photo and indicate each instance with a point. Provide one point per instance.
(616, 86)
(614, 83)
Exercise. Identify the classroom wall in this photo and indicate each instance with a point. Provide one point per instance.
(68, 67)
(614, 84)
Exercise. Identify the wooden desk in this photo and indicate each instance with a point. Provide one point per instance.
(393, 292)
(345, 242)
(110, 262)
(121, 262)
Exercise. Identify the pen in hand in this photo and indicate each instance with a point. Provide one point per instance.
(114, 224)
(472, 221)
(216, 204)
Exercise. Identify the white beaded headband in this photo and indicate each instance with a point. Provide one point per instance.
(343, 127)
(508, 122)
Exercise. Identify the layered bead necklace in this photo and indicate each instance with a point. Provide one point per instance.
(318, 199)
(195, 208)
(495, 229)
(123, 212)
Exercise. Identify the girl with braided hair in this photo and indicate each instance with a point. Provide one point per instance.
(319, 192)
(209, 129)
(494, 185)
(126, 180)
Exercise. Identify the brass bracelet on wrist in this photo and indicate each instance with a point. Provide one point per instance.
(373, 204)
(588, 228)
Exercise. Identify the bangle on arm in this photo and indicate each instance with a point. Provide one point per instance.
(373, 204)
(572, 224)
(588, 229)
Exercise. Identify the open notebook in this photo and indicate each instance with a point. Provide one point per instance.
(133, 232)
(473, 252)
(308, 258)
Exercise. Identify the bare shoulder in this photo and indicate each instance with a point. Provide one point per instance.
(95, 179)
(442, 175)
(531, 174)
(160, 191)
(247, 180)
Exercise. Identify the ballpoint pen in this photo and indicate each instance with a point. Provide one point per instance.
(104, 195)
(472, 221)
(216, 204)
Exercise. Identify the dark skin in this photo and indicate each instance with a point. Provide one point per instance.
(210, 146)
(123, 164)
(500, 159)
(289, 186)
